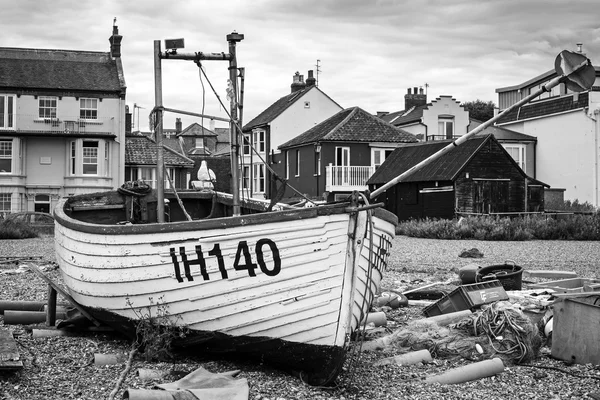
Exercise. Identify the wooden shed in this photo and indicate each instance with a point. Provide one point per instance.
(478, 176)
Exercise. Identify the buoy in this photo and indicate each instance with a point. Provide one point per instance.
(469, 372)
(414, 357)
(377, 318)
(450, 318)
(150, 374)
(12, 317)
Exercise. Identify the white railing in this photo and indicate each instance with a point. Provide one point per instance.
(347, 178)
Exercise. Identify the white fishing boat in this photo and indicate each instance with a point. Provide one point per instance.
(290, 285)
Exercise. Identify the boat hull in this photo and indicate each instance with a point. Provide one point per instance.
(294, 280)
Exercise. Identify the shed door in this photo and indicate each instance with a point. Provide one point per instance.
(490, 196)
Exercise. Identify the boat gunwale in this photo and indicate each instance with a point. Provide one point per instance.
(67, 221)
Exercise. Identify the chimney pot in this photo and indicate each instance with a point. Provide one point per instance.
(408, 92)
(177, 125)
(115, 43)
(310, 81)
(414, 99)
(579, 47)
(298, 82)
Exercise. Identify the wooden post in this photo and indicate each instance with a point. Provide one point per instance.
(51, 309)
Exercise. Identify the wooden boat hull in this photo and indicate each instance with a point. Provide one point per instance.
(294, 280)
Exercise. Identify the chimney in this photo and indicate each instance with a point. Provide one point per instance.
(298, 83)
(115, 43)
(127, 121)
(211, 125)
(310, 81)
(177, 125)
(417, 98)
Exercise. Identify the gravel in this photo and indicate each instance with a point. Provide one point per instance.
(63, 368)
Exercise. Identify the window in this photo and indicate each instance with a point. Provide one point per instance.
(297, 171)
(446, 127)
(246, 177)
(378, 156)
(145, 174)
(42, 203)
(47, 107)
(318, 166)
(517, 152)
(88, 108)
(6, 153)
(259, 178)
(169, 173)
(90, 157)
(200, 142)
(258, 141)
(7, 110)
(246, 145)
(5, 202)
(287, 165)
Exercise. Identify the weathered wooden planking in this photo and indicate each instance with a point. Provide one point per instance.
(575, 333)
(10, 359)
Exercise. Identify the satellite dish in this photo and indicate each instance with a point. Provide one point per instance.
(576, 69)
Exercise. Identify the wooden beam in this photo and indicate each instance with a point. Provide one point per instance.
(64, 294)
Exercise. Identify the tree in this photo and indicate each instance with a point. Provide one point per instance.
(480, 110)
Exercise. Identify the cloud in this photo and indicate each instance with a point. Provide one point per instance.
(370, 52)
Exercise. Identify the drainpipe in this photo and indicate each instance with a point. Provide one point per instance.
(597, 133)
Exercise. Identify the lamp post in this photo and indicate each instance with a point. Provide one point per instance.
(317, 163)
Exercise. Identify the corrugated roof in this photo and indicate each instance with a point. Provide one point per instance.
(141, 150)
(59, 70)
(445, 168)
(352, 125)
(546, 107)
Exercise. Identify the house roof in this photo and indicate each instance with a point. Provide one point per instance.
(502, 134)
(546, 107)
(141, 150)
(445, 168)
(352, 125)
(60, 70)
(540, 78)
(275, 109)
(196, 129)
(413, 114)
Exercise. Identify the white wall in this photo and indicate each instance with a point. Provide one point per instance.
(297, 119)
(567, 153)
(446, 105)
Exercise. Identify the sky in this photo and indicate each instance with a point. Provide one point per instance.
(369, 52)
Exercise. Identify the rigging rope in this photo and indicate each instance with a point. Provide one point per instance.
(239, 129)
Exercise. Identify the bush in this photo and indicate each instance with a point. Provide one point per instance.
(540, 227)
(14, 229)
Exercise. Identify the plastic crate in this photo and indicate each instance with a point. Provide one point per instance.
(467, 297)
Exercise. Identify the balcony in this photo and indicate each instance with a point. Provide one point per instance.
(344, 179)
(64, 125)
(431, 138)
